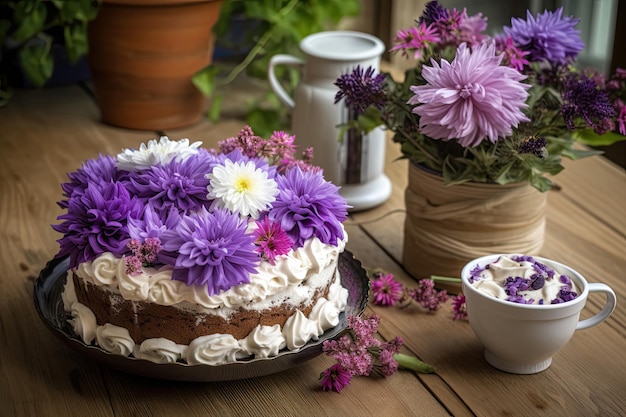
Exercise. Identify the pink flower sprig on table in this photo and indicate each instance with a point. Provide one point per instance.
(359, 353)
(386, 292)
(428, 296)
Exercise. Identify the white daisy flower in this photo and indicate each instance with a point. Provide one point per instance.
(242, 188)
(155, 153)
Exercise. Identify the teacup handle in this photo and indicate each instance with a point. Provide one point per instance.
(606, 311)
(282, 59)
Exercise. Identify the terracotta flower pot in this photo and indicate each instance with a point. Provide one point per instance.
(143, 54)
(448, 226)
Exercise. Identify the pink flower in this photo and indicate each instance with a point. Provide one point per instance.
(471, 99)
(459, 307)
(414, 39)
(427, 295)
(386, 290)
(271, 240)
(335, 378)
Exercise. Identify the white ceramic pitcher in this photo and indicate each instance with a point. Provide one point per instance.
(316, 117)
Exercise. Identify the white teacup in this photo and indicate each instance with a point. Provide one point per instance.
(523, 338)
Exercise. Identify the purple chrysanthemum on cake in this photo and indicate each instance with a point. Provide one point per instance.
(97, 222)
(309, 206)
(180, 184)
(549, 36)
(93, 170)
(211, 249)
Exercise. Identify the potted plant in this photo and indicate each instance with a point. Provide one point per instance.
(266, 28)
(485, 122)
(143, 54)
(34, 34)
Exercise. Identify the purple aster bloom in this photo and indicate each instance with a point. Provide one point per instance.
(360, 89)
(97, 222)
(101, 169)
(471, 99)
(177, 184)
(335, 378)
(433, 12)
(212, 249)
(549, 36)
(583, 99)
(308, 206)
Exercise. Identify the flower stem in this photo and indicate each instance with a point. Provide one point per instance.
(413, 364)
(445, 279)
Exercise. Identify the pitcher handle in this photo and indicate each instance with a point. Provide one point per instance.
(606, 311)
(282, 59)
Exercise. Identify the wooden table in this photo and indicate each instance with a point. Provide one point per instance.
(45, 134)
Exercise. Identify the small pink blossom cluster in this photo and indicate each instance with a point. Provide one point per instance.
(143, 254)
(359, 352)
(386, 291)
(428, 296)
(279, 149)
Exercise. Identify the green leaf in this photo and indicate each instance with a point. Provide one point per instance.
(589, 137)
(31, 17)
(81, 10)
(76, 44)
(213, 114)
(37, 62)
(205, 79)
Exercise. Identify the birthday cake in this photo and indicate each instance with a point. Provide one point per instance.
(179, 253)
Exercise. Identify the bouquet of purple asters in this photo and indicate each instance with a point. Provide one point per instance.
(210, 215)
(501, 109)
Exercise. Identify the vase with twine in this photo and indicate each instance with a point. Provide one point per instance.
(447, 226)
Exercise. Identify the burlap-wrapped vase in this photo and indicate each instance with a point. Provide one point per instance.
(448, 226)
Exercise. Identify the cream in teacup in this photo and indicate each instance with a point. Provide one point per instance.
(521, 279)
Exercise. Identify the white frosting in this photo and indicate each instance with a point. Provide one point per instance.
(492, 281)
(298, 330)
(264, 341)
(313, 262)
(160, 350)
(295, 276)
(325, 314)
(213, 349)
(115, 339)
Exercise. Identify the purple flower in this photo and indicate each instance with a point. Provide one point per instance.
(361, 89)
(271, 240)
(177, 184)
(513, 56)
(583, 99)
(536, 146)
(471, 99)
(335, 378)
(386, 290)
(97, 222)
(308, 206)
(433, 12)
(212, 249)
(549, 37)
(101, 169)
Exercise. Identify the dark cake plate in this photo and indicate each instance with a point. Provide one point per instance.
(49, 305)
